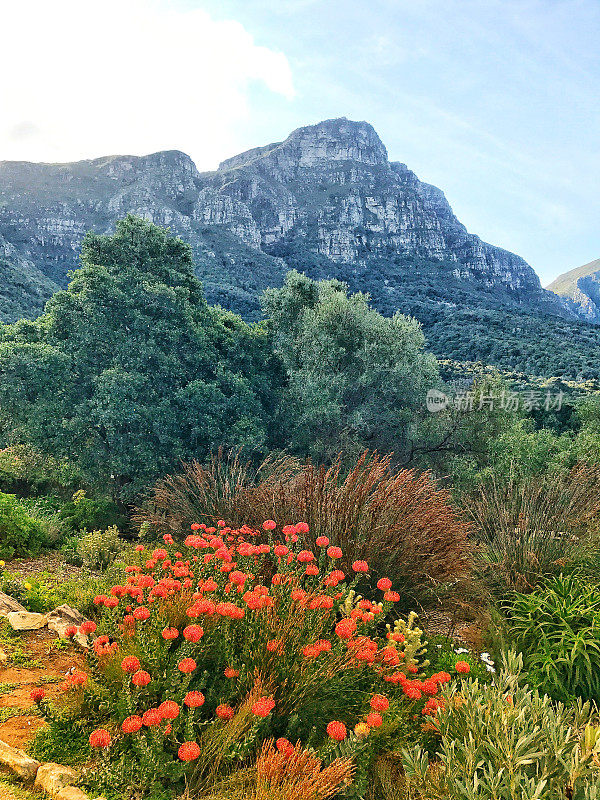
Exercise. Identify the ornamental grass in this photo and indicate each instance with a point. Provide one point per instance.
(403, 523)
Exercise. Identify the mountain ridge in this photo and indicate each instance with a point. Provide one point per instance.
(579, 290)
(326, 200)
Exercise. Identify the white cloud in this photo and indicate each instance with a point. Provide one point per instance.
(83, 79)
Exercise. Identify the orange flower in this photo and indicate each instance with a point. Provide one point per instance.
(224, 711)
(463, 667)
(130, 664)
(88, 627)
(346, 628)
(187, 665)
(188, 751)
(194, 699)
(131, 724)
(336, 731)
(263, 707)
(193, 633)
(37, 695)
(100, 738)
(151, 717)
(141, 678)
(169, 709)
(284, 747)
(379, 702)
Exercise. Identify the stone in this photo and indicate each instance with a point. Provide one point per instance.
(52, 778)
(9, 604)
(3, 657)
(72, 793)
(26, 621)
(63, 617)
(18, 762)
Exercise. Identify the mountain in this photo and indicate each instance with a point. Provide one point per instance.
(327, 201)
(579, 289)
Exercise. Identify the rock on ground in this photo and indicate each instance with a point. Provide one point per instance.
(52, 778)
(18, 762)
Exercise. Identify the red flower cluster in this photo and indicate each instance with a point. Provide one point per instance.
(233, 589)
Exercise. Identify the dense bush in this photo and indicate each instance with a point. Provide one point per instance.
(557, 628)
(20, 533)
(530, 529)
(25, 472)
(94, 551)
(85, 513)
(404, 524)
(504, 742)
(355, 378)
(203, 657)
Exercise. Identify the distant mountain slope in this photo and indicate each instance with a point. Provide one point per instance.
(24, 290)
(326, 201)
(580, 290)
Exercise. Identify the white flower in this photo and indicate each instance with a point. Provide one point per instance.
(462, 650)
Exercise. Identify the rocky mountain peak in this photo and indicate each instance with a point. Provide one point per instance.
(325, 200)
(319, 145)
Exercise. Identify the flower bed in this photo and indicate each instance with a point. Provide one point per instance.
(239, 651)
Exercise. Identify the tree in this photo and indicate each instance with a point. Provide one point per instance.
(129, 370)
(356, 379)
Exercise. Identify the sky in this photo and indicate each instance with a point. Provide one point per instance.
(496, 102)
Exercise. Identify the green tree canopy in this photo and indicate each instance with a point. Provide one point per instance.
(356, 379)
(129, 370)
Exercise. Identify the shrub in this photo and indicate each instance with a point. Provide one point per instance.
(531, 529)
(199, 661)
(84, 513)
(504, 741)
(23, 471)
(557, 628)
(95, 551)
(402, 523)
(20, 533)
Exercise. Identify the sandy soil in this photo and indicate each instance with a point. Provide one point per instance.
(54, 665)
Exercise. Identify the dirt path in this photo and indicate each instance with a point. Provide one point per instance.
(38, 663)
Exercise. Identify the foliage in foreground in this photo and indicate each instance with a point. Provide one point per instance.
(405, 525)
(204, 655)
(557, 628)
(504, 741)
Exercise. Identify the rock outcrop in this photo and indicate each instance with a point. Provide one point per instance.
(327, 200)
(579, 290)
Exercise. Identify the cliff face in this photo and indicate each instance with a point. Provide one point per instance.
(579, 290)
(326, 200)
